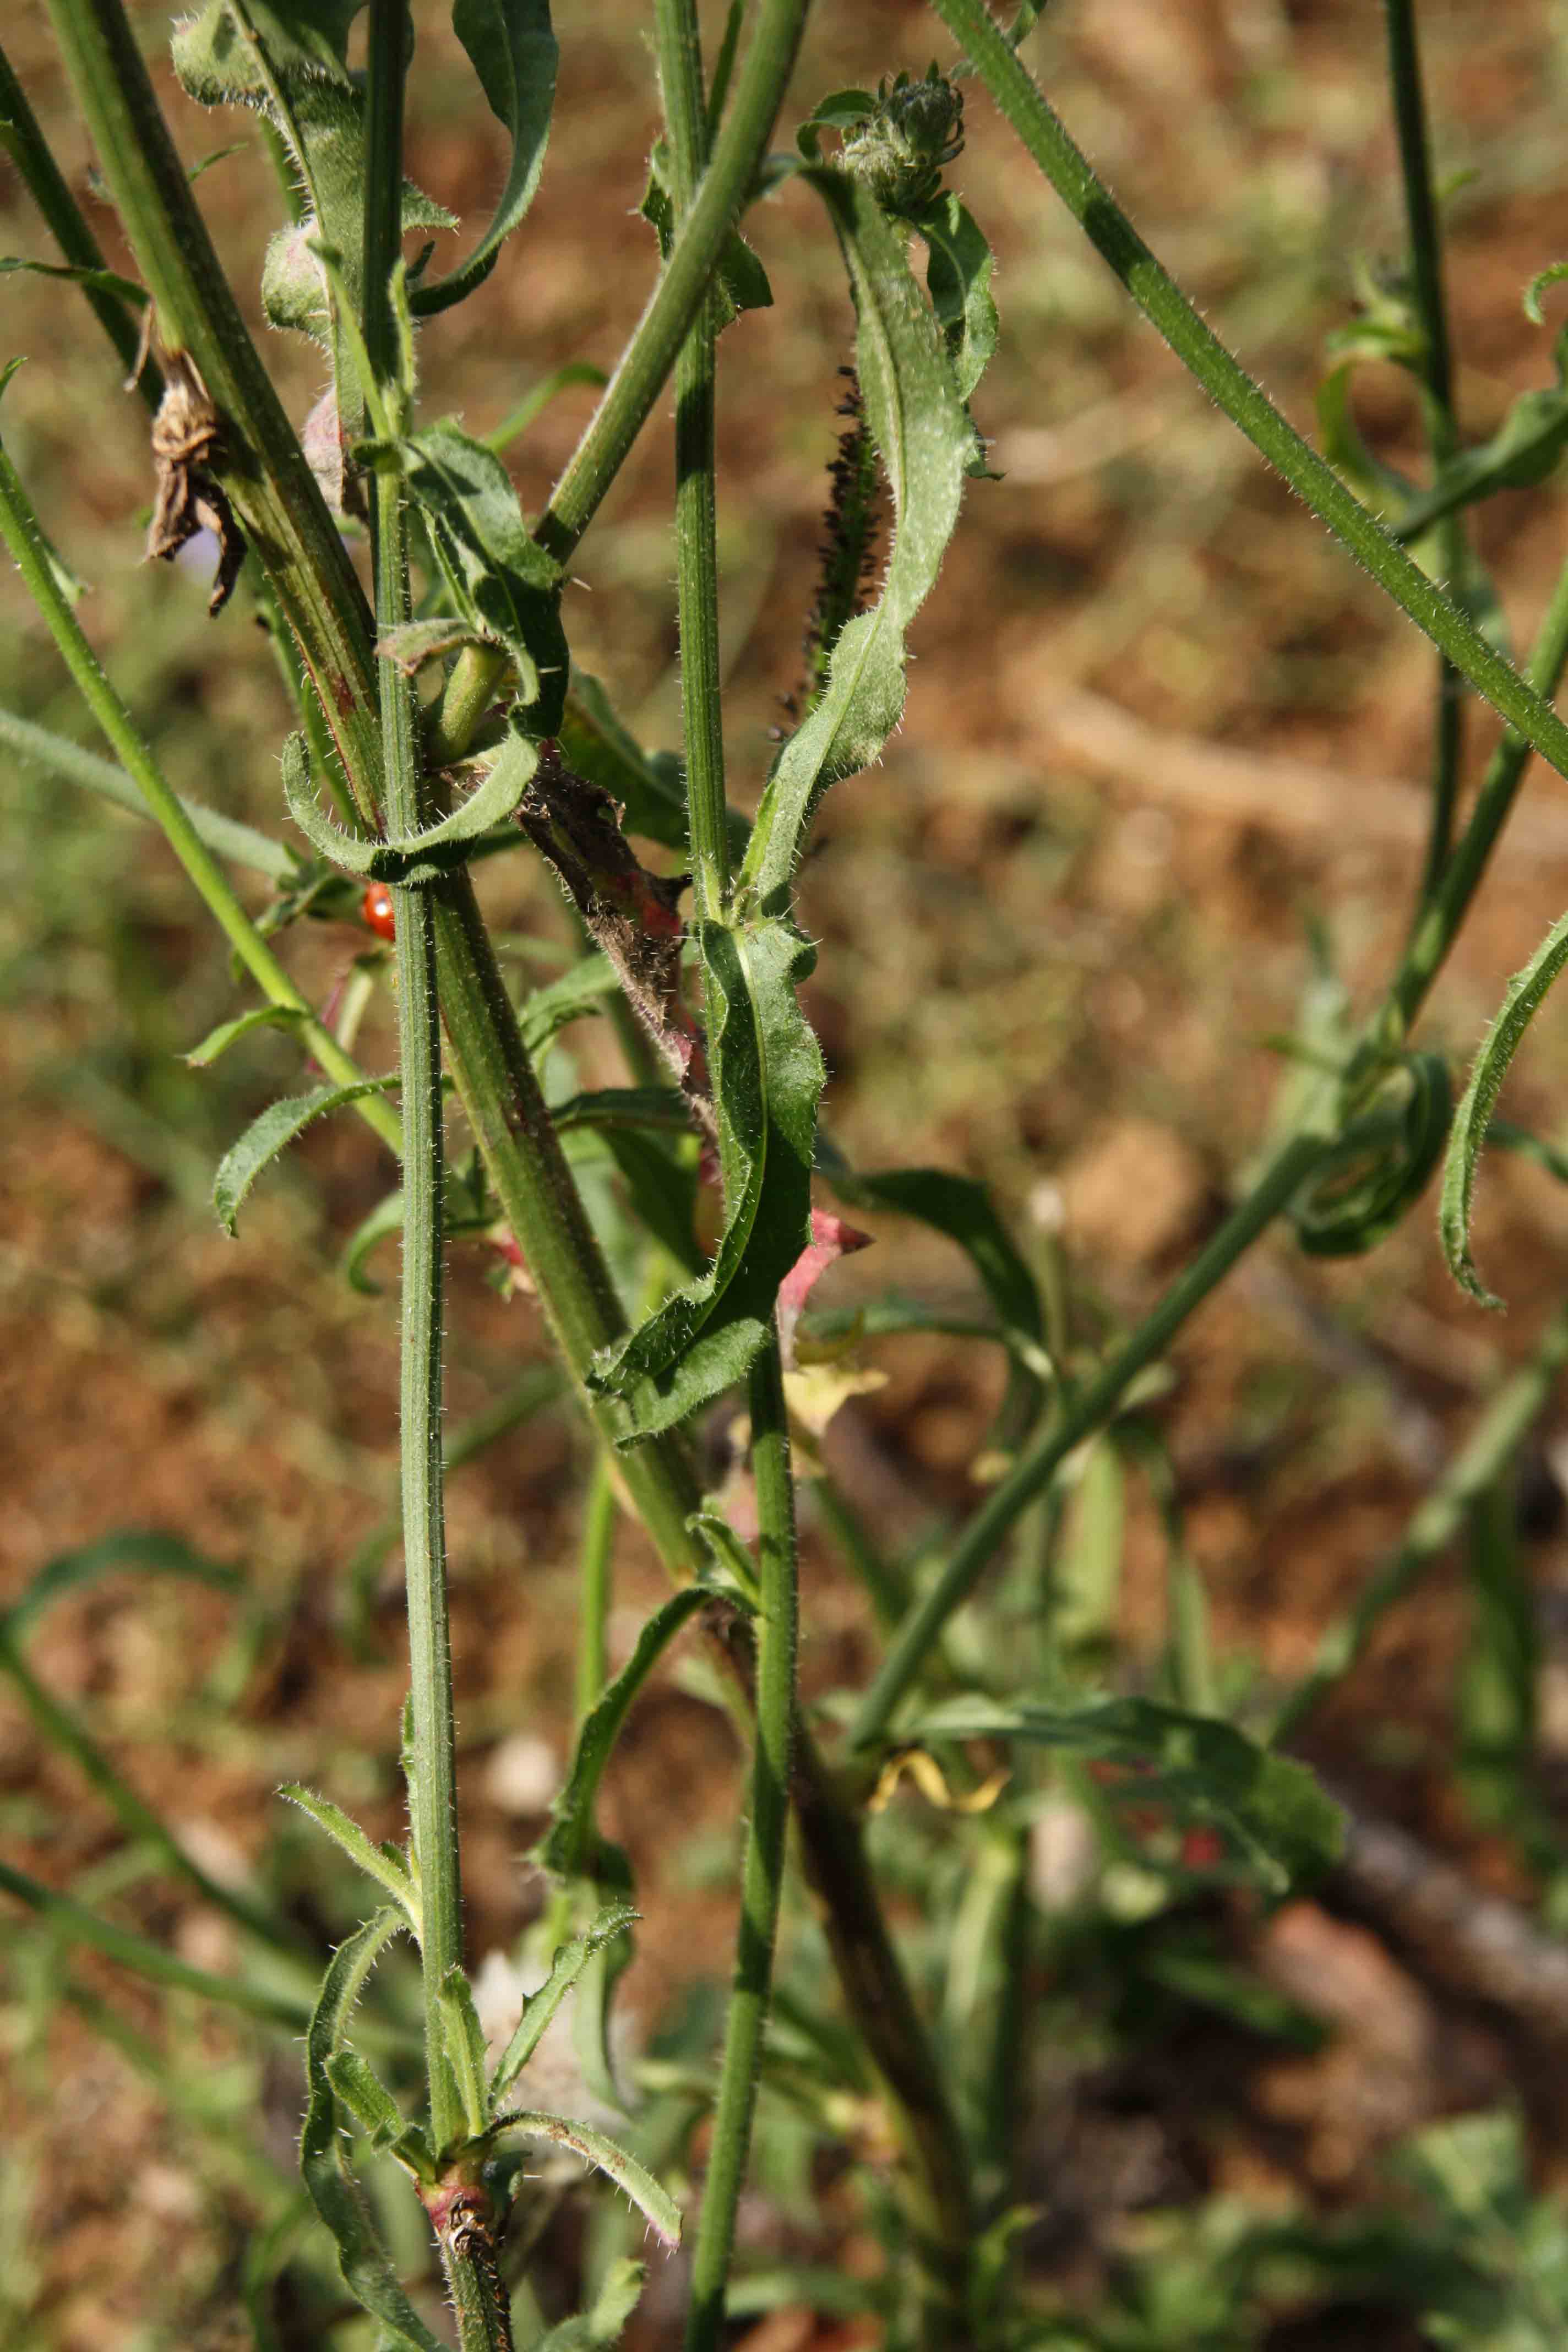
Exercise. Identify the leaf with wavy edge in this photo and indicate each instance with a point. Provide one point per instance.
(768, 1076)
(270, 1133)
(415, 857)
(926, 442)
(332, 2189)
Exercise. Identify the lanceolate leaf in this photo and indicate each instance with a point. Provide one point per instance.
(1269, 1806)
(333, 2190)
(389, 1870)
(271, 1133)
(567, 1848)
(464, 2040)
(1525, 995)
(926, 442)
(514, 54)
(500, 580)
(146, 1550)
(657, 2206)
(598, 2330)
(228, 1033)
(541, 2008)
(768, 1075)
(963, 1211)
(958, 277)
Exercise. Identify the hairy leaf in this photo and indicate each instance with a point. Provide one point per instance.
(574, 996)
(514, 53)
(271, 1132)
(333, 2190)
(388, 1869)
(1202, 1769)
(768, 1075)
(605, 2325)
(541, 2008)
(657, 2206)
(412, 857)
(464, 2039)
(362, 2090)
(739, 280)
(499, 579)
(959, 264)
(963, 1209)
(1522, 1000)
(925, 441)
(261, 1017)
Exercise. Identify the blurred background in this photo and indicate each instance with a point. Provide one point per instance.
(1161, 739)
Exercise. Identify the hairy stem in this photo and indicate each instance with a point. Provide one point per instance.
(432, 1763)
(1442, 429)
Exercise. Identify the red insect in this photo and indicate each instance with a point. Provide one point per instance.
(376, 907)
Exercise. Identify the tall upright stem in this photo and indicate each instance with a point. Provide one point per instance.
(432, 1764)
(763, 1871)
(1442, 427)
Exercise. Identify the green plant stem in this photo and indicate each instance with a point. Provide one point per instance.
(470, 690)
(1436, 1519)
(763, 1871)
(432, 1764)
(679, 46)
(64, 1731)
(75, 1924)
(1442, 430)
(45, 183)
(696, 536)
(652, 354)
(595, 1564)
(260, 463)
(1082, 1413)
(494, 1077)
(1247, 406)
(19, 527)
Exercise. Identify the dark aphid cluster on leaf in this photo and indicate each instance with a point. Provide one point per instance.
(851, 533)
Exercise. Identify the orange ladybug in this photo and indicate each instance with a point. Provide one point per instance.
(376, 907)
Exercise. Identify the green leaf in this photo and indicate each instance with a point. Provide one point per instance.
(499, 579)
(388, 1869)
(1380, 1165)
(963, 1208)
(633, 2180)
(1085, 1576)
(1522, 1000)
(739, 280)
(1523, 452)
(514, 54)
(663, 1188)
(926, 442)
(576, 996)
(959, 264)
(566, 1850)
(541, 2008)
(768, 1073)
(384, 1221)
(262, 1016)
(96, 281)
(464, 2037)
(414, 858)
(333, 2190)
(271, 1133)
(647, 784)
(598, 2330)
(1267, 1805)
(144, 1550)
(362, 2090)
